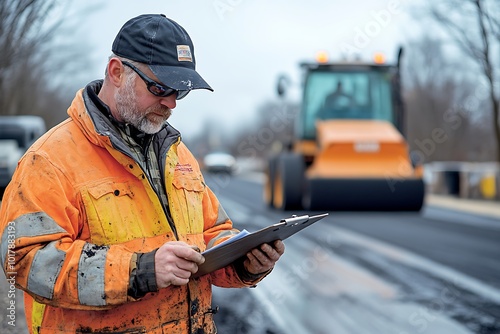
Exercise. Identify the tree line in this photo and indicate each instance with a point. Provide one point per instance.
(452, 82)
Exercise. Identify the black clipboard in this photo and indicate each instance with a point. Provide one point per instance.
(229, 251)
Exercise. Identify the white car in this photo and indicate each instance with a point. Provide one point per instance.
(17, 133)
(10, 153)
(219, 162)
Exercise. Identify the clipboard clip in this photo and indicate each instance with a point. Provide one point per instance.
(294, 220)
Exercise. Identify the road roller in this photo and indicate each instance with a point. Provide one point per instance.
(349, 151)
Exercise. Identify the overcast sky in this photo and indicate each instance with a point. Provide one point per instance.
(241, 45)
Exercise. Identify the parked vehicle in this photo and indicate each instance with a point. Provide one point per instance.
(17, 134)
(219, 162)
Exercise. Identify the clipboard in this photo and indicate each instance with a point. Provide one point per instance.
(239, 245)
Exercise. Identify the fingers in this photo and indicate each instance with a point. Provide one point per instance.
(279, 247)
(189, 253)
(175, 262)
(265, 257)
(268, 252)
(264, 254)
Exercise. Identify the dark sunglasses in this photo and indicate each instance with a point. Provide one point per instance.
(154, 87)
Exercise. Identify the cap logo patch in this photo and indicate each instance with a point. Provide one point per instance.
(184, 53)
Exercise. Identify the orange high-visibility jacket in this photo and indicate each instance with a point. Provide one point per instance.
(78, 208)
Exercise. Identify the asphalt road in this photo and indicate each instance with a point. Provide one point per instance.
(353, 273)
(436, 271)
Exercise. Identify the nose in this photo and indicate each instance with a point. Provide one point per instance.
(169, 101)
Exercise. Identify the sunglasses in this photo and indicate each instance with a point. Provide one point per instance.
(154, 87)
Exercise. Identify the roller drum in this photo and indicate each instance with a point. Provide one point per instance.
(364, 194)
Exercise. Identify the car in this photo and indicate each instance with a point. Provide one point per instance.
(10, 153)
(219, 162)
(17, 134)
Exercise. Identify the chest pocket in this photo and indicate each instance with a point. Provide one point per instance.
(186, 202)
(118, 212)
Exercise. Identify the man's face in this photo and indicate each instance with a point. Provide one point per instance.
(147, 119)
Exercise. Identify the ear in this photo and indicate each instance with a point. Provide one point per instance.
(115, 72)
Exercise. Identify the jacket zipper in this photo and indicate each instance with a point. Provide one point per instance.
(165, 206)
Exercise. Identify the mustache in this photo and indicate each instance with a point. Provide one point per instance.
(163, 110)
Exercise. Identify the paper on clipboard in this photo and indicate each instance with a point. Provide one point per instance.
(237, 246)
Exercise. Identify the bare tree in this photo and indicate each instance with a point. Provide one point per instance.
(474, 26)
(21, 39)
(31, 60)
(434, 90)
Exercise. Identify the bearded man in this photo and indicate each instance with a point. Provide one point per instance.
(106, 216)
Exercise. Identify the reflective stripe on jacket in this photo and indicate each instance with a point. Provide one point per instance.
(77, 209)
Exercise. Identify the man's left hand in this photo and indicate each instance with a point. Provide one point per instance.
(263, 258)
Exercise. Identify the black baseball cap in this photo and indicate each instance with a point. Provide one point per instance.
(163, 45)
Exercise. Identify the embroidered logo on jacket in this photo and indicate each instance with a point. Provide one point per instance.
(184, 167)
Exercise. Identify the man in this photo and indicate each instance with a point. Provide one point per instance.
(105, 218)
(337, 104)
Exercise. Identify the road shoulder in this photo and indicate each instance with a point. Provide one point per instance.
(480, 207)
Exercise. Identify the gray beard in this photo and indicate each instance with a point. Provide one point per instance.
(128, 111)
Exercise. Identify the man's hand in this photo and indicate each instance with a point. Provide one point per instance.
(261, 259)
(175, 262)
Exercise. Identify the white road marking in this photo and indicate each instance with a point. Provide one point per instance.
(313, 290)
(409, 258)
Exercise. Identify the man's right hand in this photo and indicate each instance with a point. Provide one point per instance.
(175, 262)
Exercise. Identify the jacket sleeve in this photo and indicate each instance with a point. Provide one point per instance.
(43, 242)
